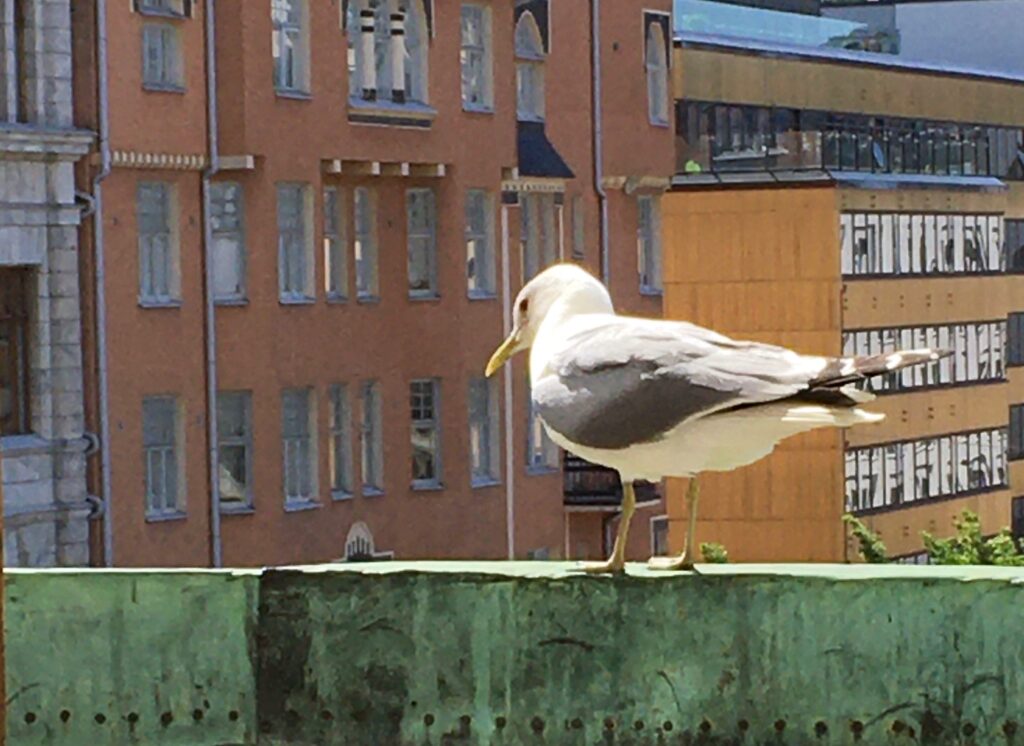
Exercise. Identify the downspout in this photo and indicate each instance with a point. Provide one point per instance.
(210, 331)
(602, 196)
(103, 94)
(506, 290)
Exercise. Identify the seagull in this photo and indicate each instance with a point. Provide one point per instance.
(654, 398)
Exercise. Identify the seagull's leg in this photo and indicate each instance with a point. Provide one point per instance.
(617, 562)
(685, 560)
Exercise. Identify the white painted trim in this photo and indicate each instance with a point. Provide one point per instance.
(506, 307)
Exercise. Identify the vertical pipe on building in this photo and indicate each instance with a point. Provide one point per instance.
(602, 196)
(506, 291)
(210, 329)
(103, 96)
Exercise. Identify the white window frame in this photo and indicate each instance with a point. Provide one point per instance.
(162, 463)
(340, 442)
(529, 53)
(421, 240)
(484, 457)
(476, 60)
(335, 248)
(579, 229)
(364, 247)
(167, 8)
(298, 451)
(291, 74)
(228, 239)
(540, 237)
(656, 521)
(165, 40)
(648, 243)
(244, 441)
(656, 66)
(159, 281)
(294, 245)
(400, 74)
(422, 387)
(481, 257)
(371, 439)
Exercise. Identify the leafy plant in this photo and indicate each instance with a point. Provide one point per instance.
(968, 547)
(714, 553)
(871, 547)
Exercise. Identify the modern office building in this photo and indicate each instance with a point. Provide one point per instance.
(43, 442)
(842, 202)
(310, 222)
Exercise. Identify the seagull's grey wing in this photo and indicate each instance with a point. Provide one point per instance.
(630, 381)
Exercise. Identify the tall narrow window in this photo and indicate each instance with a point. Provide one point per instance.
(227, 224)
(157, 244)
(657, 75)
(475, 55)
(426, 436)
(371, 440)
(234, 449)
(160, 454)
(335, 264)
(161, 57)
(529, 70)
(538, 232)
(297, 445)
(541, 452)
(341, 442)
(414, 40)
(421, 236)
(579, 243)
(649, 244)
(365, 244)
(293, 244)
(18, 77)
(289, 42)
(480, 270)
(14, 390)
(483, 431)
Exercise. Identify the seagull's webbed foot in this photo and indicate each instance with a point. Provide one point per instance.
(610, 566)
(670, 564)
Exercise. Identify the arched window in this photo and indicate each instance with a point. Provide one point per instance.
(657, 75)
(529, 70)
(359, 542)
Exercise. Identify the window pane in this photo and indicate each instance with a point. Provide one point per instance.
(480, 274)
(421, 221)
(365, 245)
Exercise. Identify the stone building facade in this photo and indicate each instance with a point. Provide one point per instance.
(42, 439)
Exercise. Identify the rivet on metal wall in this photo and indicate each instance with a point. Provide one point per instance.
(820, 728)
(197, 714)
(968, 729)
(666, 726)
(167, 718)
(326, 715)
(576, 723)
(780, 725)
(898, 726)
(30, 717)
(233, 715)
(609, 724)
(1009, 728)
(132, 717)
(65, 715)
(705, 726)
(638, 725)
(743, 725)
(428, 720)
(537, 724)
(100, 718)
(499, 722)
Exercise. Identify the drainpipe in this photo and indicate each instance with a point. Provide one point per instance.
(510, 471)
(210, 331)
(103, 96)
(602, 196)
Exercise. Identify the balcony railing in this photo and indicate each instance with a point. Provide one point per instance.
(590, 485)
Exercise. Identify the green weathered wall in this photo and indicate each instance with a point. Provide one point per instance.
(512, 654)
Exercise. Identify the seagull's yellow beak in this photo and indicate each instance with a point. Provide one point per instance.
(507, 349)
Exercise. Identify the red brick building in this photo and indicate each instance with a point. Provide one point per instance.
(292, 286)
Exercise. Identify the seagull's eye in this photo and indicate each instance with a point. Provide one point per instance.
(524, 304)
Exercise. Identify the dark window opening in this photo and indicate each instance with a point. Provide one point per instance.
(14, 411)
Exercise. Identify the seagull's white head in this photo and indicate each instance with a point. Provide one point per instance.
(566, 287)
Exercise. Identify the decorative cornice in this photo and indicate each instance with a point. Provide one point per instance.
(170, 161)
(527, 184)
(28, 143)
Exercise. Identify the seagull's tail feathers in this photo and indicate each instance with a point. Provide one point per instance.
(840, 371)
